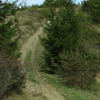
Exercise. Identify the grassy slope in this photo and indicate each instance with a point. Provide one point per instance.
(70, 93)
(27, 24)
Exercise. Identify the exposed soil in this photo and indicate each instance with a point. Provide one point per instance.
(40, 90)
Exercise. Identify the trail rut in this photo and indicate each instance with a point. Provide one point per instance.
(34, 91)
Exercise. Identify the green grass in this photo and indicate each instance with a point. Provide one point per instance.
(44, 98)
(28, 57)
(18, 50)
(28, 22)
(31, 77)
(70, 93)
(28, 65)
(27, 62)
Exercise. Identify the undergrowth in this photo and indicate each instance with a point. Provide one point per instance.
(72, 93)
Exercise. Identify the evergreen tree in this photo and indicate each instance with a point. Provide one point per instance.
(65, 54)
(62, 32)
(85, 6)
(52, 2)
(95, 10)
(8, 29)
(48, 2)
(93, 7)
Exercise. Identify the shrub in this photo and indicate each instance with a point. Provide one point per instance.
(78, 69)
(8, 29)
(28, 22)
(48, 2)
(12, 75)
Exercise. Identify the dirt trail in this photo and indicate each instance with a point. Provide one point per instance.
(30, 44)
(34, 91)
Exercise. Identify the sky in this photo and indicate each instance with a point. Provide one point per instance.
(31, 2)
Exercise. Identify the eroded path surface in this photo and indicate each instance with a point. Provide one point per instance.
(40, 90)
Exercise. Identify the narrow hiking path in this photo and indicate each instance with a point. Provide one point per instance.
(40, 90)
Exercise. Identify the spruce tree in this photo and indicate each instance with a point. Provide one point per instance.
(65, 52)
(93, 8)
(62, 32)
(8, 29)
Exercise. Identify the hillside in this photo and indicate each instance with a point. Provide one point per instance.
(40, 85)
(30, 49)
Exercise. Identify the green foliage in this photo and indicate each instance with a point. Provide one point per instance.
(93, 7)
(57, 3)
(68, 31)
(85, 6)
(45, 13)
(7, 8)
(95, 10)
(12, 75)
(33, 8)
(79, 69)
(62, 33)
(8, 29)
(31, 77)
(48, 2)
(73, 93)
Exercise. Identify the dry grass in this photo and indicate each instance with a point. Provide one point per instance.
(96, 26)
(98, 78)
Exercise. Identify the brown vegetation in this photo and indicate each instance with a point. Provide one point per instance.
(12, 75)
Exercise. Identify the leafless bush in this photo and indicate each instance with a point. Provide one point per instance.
(12, 75)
